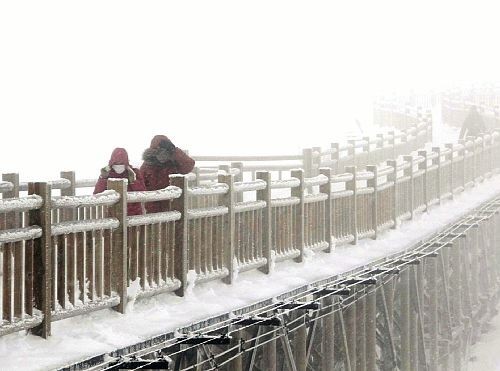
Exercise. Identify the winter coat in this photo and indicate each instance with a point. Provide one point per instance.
(473, 124)
(134, 177)
(161, 160)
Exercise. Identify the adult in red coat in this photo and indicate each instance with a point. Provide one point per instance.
(119, 167)
(161, 159)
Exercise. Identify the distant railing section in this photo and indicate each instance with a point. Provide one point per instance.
(455, 111)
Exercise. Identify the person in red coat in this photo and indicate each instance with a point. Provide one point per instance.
(119, 167)
(161, 159)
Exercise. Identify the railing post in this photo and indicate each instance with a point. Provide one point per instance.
(461, 154)
(424, 165)
(299, 192)
(307, 159)
(409, 172)
(352, 186)
(351, 151)
(394, 178)
(392, 143)
(373, 183)
(335, 157)
(180, 204)
(265, 195)
(316, 155)
(229, 200)
(119, 273)
(327, 189)
(450, 147)
(238, 178)
(366, 150)
(437, 161)
(12, 221)
(474, 159)
(42, 258)
(68, 214)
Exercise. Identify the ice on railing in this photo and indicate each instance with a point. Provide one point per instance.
(84, 226)
(285, 183)
(20, 234)
(106, 198)
(215, 189)
(27, 203)
(6, 186)
(207, 212)
(85, 183)
(167, 193)
(241, 207)
(255, 185)
(315, 181)
(164, 217)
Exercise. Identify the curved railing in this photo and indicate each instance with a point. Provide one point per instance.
(64, 255)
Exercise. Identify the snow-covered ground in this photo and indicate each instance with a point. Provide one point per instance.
(77, 338)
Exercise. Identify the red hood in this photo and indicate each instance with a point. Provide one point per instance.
(155, 142)
(119, 157)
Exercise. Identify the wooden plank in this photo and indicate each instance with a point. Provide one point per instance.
(42, 257)
(99, 253)
(28, 278)
(80, 265)
(71, 267)
(61, 271)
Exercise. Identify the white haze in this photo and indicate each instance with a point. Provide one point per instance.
(219, 77)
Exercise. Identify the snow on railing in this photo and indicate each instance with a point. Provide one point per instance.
(84, 226)
(105, 198)
(216, 189)
(20, 234)
(6, 186)
(254, 185)
(27, 203)
(316, 181)
(163, 217)
(285, 183)
(168, 193)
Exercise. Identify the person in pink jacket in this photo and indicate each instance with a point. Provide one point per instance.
(162, 159)
(119, 168)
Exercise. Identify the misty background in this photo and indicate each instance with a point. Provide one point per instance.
(78, 79)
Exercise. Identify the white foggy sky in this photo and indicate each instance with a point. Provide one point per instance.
(219, 77)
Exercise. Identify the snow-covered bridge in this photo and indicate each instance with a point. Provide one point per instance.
(65, 255)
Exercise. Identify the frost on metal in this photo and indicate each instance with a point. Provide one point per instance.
(255, 185)
(288, 201)
(241, 207)
(167, 193)
(31, 202)
(106, 198)
(316, 181)
(207, 212)
(6, 186)
(20, 234)
(216, 189)
(84, 226)
(286, 183)
(165, 217)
